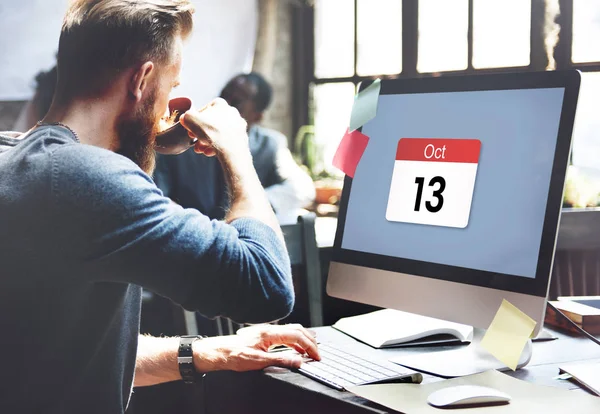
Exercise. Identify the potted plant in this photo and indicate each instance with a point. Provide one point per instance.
(308, 153)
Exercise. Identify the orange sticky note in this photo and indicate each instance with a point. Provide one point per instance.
(350, 152)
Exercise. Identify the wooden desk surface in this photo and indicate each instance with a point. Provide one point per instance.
(278, 390)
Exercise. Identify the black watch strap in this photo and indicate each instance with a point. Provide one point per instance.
(185, 359)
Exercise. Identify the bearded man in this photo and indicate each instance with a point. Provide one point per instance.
(84, 228)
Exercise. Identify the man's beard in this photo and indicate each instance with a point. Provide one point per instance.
(137, 136)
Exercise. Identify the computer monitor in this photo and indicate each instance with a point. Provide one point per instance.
(456, 201)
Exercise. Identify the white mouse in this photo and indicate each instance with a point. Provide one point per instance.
(466, 395)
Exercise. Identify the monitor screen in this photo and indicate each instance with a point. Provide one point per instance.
(457, 178)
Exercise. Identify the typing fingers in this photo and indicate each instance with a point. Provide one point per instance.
(298, 340)
(294, 336)
(280, 359)
(308, 346)
(309, 333)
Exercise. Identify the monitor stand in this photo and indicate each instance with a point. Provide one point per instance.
(459, 362)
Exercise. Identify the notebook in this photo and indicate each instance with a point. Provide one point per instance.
(392, 328)
(587, 374)
(583, 313)
(593, 301)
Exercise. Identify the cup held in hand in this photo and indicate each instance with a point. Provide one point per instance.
(175, 139)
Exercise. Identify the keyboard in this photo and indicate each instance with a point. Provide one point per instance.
(340, 369)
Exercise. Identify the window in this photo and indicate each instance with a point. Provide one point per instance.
(333, 105)
(443, 35)
(585, 56)
(379, 32)
(586, 145)
(501, 33)
(334, 38)
(586, 31)
(357, 40)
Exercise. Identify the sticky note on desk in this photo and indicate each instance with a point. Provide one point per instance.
(365, 105)
(506, 337)
(350, 151)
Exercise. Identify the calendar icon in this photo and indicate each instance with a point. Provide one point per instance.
(433, 181)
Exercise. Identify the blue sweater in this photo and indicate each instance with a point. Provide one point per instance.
(82, 229)
(207, 192)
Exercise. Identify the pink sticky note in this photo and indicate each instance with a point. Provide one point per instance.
(350, 151)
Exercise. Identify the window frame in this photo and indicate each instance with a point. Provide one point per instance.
(538, 60)
(410, 36)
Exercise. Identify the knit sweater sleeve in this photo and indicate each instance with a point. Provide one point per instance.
(120, 228)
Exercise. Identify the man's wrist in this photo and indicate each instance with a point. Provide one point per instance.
(156, 360)
(248, 198)
(236, 162)
(240, 173)
(209, 354)
(185, 358)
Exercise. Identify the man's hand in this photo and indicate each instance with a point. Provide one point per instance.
(219, 128)
(221, 131)
(249, 349)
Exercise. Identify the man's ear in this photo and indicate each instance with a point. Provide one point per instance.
(140, 80)
(259, 117)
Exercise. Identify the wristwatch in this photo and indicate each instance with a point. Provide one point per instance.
(185, 359)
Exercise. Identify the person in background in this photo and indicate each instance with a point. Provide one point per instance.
(36, 108)
(84, 228)
(197, 182)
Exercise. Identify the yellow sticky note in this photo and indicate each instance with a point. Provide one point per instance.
(506, 337)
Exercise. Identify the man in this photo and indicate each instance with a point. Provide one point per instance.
(84, 227)
(287, 186)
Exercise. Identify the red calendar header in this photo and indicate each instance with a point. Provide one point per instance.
(439, 150)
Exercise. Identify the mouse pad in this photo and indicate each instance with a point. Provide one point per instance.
(525, 397)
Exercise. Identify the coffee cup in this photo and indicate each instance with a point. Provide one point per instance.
(175, 139)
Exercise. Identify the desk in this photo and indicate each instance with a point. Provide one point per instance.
(279, 390)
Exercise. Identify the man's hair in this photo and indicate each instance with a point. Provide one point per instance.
(101, 38)
(264, 90)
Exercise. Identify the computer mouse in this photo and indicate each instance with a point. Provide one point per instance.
(464, 395)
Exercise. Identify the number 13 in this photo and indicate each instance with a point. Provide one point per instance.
(437, 193)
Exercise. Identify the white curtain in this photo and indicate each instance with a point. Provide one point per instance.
(222, 45)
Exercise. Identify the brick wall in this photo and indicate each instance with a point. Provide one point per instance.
(273, 59)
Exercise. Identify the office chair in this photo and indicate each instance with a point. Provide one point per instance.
(301, 243)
